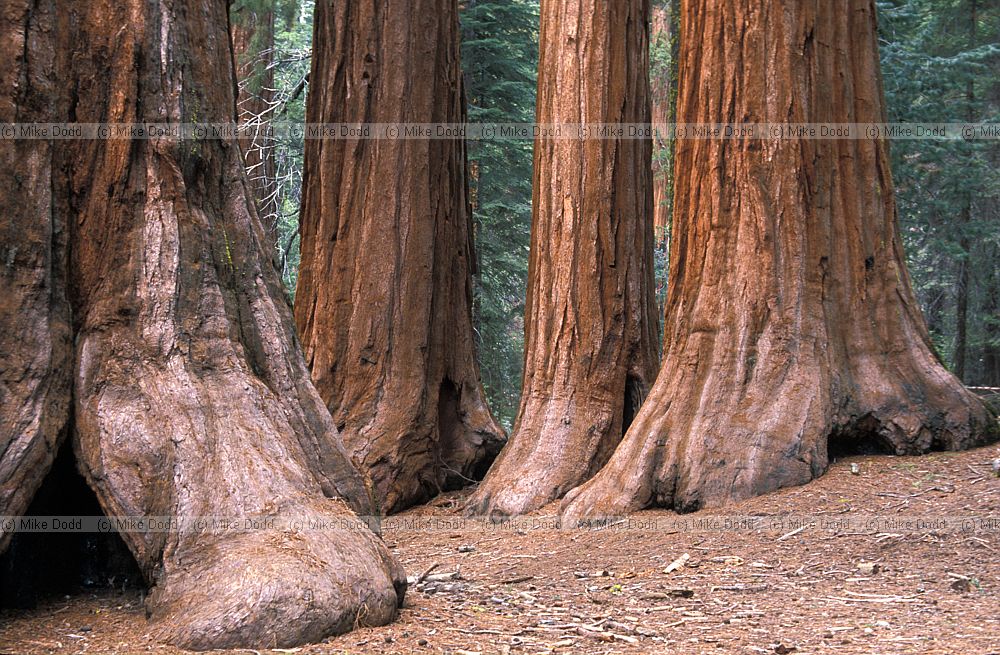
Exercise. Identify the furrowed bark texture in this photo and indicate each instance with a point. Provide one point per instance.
(384, 296)
(792, 333)
(190, 396)
(35, 342)
(590, 331)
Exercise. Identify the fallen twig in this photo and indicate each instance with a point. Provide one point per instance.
(789, 535)
(523, 578)
(423, 576)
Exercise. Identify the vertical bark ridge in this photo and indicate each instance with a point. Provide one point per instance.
(190, 397)
(35, 342)
(589, 326)
(384, 298)
(792, 334)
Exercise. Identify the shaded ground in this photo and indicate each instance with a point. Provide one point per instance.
(768, 588)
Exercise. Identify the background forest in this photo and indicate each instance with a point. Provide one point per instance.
(234, 358)
(939, 63)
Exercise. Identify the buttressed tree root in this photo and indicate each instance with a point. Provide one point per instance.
(792, 332)
(190, 398)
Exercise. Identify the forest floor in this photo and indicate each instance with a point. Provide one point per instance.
(841, 586)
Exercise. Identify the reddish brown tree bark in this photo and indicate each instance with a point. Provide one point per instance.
(383, 303)
(190, 396)
(35, 337)
(590, 334)
(792, 334)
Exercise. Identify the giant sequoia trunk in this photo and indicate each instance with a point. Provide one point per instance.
(384, 297)
(190, 398)
(589, 327)
(35, 338)
(792, 334)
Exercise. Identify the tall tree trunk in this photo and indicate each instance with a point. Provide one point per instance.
(962, 295)
(36, 350)
(991, 356)
(792, 334)
(662, 90)
(590, 336)
(384, 297)
(252, 33)
(965, 217)
(190, 397)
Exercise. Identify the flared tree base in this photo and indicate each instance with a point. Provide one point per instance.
(701, 443)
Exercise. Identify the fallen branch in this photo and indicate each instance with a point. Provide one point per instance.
(789, 535)
(523, 578)
(893, 599)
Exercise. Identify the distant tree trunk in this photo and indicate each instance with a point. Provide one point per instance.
(190, 396)
(991, 356)
(590, 335)
(36, 347)
(252, 33)
(962, 296)
(384, 296)
(934, 305)
(965, 217)
(661, 94)
(792, 334)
